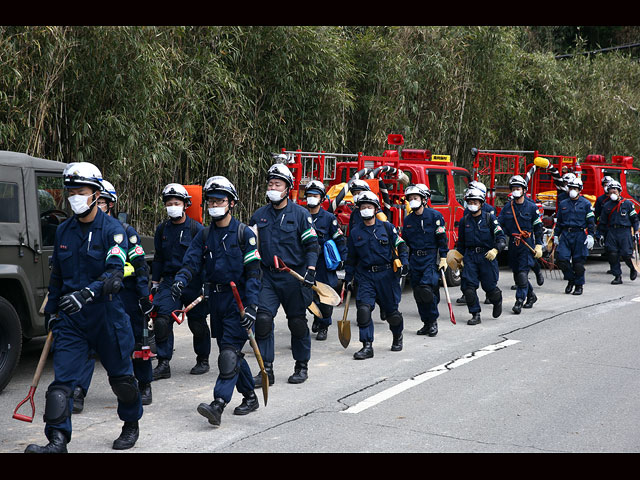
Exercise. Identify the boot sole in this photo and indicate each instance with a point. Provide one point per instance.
(245, 412)
(208, 415)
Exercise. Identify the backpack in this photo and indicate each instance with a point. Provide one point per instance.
(331, 255)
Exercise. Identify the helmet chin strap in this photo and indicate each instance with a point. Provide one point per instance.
(90, 209)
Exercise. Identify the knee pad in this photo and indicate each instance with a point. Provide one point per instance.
(495, 296)
(56, 409)
(325, 310)
(562, 264)
(363, 316)
(125, 388)
(578, 268)
(614, 256)
(198, 326)
(521, 279)
(423, 294)
(394, 318)
(298, 326)
(470, 296)
(161, 327)
(229, 362)
(264, 324)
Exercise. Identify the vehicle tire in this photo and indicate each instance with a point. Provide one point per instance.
(453, 278)
(10, 342)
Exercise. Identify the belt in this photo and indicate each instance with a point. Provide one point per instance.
(379, 268)
(422, 253)
(620, 226)
(574, 229)
(219, 287)
(478, 249)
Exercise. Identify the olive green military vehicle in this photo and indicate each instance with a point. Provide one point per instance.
(32, 205)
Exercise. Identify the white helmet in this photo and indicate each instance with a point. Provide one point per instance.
(517, 181)
(315, 187)
(575, 183)
(418, 189)
(358, 185)
(108, 192)
(282, 172)
(567, 177)
(474, 194)
(614, 184)
(368, 197)
(220, 185)
(178, 191)
(78, 174)
(479, 185)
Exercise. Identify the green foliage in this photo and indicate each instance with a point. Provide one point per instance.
(153, 105)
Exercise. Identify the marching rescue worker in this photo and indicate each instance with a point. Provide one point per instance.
(326, 227)
(485, 208)
(616, 222)
(597, 207)
(357, 186)
(424, 233)
(85, 312)
(521, 222)
(480, 240)
(285, 230)
(172, 239)
(224, 252)
(135, 298)
(575, 215)
(370, 266)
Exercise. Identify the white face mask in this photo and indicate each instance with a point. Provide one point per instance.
(573, 193)
(473, 208)
(217, 212)
(313, 201)
(367, 213)
(516, 193)
(415, 204)
(614, 197)
(174, 211)
(274, 196)
(79, 203)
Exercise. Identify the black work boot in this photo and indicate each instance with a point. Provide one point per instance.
(57, 444)
(475, 319)
(315, 326)
(145, 393)
(212, 411)
(257, 380)
(396, 344)
(569, 287)
(617, 280)
(248, 405)
(578, 290)
(634, 273)
(433, 329)
(201, 366)
(487, 301)
(461, 301)
(128, 437)
(78, 400)
(539, 278)
(299, 373)
(322, 333)
(517, 308)
(531, 299)
(365, 352)
(162, 370)
(497, 308)
(424, 330)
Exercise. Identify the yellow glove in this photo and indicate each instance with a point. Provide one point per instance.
(541, 162)
(491, 254)
(443, 263)
(128, 269)
(454, 259)
(538, 251)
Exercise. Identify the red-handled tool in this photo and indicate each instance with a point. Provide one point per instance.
(452, 317)
(185, 310)
(34, 383)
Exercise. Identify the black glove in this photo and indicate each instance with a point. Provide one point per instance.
(154, 288)
(349, 285)
(73, 302)
(309, 278)
(249, 317)
(404, 271)
(176, 290)
(145, 305)
(340, 266)
(49, 320)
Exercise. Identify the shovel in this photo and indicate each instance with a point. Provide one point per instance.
(344, 326)
(326, 293)
(34, 383)
(636, 258)
(452, 317)
(184, 311)
(254, 346)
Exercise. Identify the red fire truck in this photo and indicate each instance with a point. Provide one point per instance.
(387, 175)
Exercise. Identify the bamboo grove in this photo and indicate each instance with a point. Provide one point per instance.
(153, 105)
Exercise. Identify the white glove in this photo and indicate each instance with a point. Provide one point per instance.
(556, 240)
(589, 242)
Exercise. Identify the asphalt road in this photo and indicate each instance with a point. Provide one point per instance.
(561, 377)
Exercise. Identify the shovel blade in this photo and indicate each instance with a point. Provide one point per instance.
(265, 386)
(344, 332)
(327, 294)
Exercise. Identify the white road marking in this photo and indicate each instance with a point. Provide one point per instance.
(637, 299)
(423, 377)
